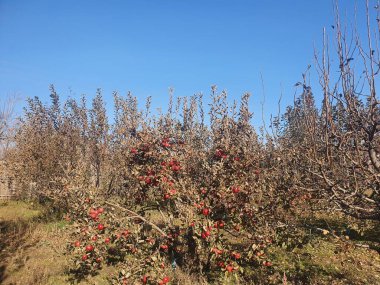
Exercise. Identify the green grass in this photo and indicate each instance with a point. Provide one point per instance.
(17, 210)
(327, 260)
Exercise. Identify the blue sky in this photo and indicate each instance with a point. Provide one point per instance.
(147, 46)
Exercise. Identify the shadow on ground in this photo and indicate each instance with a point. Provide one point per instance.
(12, 236)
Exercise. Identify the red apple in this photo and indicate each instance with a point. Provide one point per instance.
(267, 263)
(235, 189)
(205, 211)
(173, 191)
(94, 216)
(164, 247)
(176, 168)
(229, 268)
(144, 279)
(89, 248)
(205, 234)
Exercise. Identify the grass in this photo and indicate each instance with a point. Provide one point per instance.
(32, 251)
(328, 261)
(32, 248)
(16, 210)
(336, 249)
(29, 247)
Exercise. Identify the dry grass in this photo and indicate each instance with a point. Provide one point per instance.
(33, 250)
(39, 258)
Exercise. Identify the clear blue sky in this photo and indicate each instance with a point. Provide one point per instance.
(146, 46)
